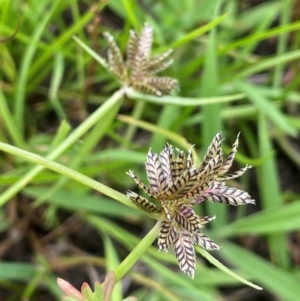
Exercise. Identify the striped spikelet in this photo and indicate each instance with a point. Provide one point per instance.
(140, 68)
(178, 185)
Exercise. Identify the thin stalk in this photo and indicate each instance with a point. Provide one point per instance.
(71, 139)
(212, 120)
(90, 141)
(288, 148)
(137, 252)
(223, 268)
(26, 62)
(282, 43)
(270, 194)
(10, 124)
(77, 176)
(136, 114)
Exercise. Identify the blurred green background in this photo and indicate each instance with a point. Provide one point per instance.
(53, 226)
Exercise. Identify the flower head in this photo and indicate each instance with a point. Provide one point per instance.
(178, 185)
(140, 68)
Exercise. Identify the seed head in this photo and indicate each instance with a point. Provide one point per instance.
(177, 184)
(140, 68)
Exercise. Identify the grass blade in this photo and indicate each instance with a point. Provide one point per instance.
(266, 107)
(281, 283)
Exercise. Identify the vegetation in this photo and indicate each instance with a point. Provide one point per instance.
(75, 117)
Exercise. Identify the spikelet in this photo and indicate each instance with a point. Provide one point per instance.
(190, 221)
(158, 59)
(115, 60)
(234, 175)
(166, 159)
(202, 240)
(142, 202)
(180, 162)
(152, 70)
(229, 160)
(141, 68)
(185, 253)
(132, 47)
(166, 236)
(139, 71)
(213, 150)
(155, 174)
(146, 88)
(163, 84)
(141, 185)
(145, 41)
(227, 195)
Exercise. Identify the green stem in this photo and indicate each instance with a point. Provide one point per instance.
(10, 123)
(71, 139)
(212, 119)
(282, 42)
(288, 148)
(137, 252)
(223, 268)
(90, 141)
(31, 157)
(136, 114)
(182, 101)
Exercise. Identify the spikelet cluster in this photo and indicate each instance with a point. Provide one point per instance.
(140, 68)
(178, 185)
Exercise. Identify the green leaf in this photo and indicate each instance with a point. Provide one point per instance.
(270, 221)
(198, 32)
(182, 101)
(265, 106)
(80, 201)
(270, 193)
(17, 271)
(73, 137)
(111, 263)
(220, 266)
(87, 292)
(278, 281)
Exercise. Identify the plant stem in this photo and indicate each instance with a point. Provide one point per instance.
(10, 124)
(71, 139)
(77, 176)
(136, 114)
(137, 252)
(223, 268)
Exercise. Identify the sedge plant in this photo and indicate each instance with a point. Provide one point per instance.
(176, 183)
